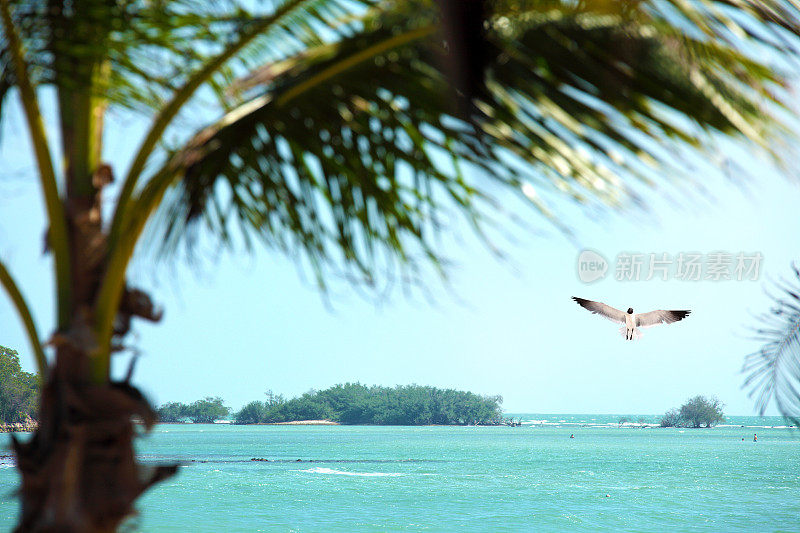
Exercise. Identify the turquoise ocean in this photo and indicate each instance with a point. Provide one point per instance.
(529, 478)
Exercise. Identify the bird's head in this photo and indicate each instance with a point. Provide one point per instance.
(630, 310)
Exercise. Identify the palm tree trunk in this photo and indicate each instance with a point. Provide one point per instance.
(79, 471)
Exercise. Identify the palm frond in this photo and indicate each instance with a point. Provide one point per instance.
(303, 17)
(24, 311)
(27, 22)
(773, 372)
(164, 43)
(153, 47)
(352, 150)
(6, 80)
(19, 59)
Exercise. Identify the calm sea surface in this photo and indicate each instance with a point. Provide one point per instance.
(529, 478)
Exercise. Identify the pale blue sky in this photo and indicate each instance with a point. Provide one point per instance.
(240, 325)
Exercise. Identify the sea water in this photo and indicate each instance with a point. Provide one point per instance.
(529, 478)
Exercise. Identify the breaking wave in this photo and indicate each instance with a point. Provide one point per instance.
(323, 470)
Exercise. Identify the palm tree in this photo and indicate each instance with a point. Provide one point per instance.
(339, 140)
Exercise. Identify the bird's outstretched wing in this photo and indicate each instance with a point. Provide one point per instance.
(606, 311)
(654, 318)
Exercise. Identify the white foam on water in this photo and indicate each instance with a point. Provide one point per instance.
(322, 470)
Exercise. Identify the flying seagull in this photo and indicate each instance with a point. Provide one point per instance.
(630, 321)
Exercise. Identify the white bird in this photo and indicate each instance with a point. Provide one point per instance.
(632, 322)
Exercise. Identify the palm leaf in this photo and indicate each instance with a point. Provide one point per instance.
(152, 48)
(773, 372)
(337, 153)
(27, 21)
(166, 42)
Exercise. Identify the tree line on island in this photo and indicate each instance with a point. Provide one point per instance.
(349, 403)
(203, 411)
(353, 403)
(410, 405)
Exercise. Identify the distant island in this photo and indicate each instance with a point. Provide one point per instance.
(349, 403)
(353, 403)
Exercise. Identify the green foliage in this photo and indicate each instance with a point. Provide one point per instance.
(671, 419)
(203, 411)
(207, 410)
(173, 412)
(273, 399)
(253, 413)
(354, 403)
(19, 390)
(347, 155)
(699, 411)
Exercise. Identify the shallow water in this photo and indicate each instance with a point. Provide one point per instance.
(527, 478)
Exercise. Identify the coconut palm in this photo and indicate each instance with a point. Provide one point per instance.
(343, 133)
